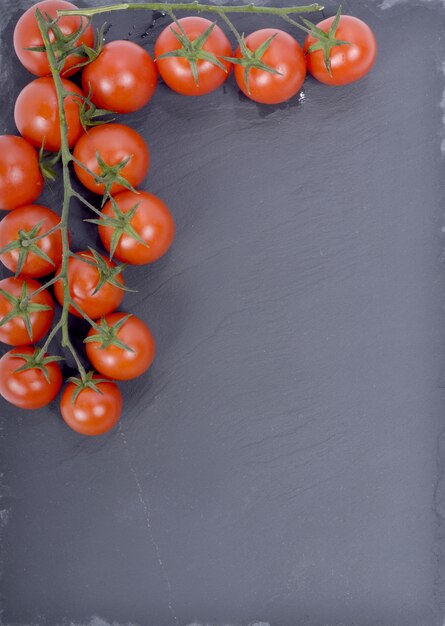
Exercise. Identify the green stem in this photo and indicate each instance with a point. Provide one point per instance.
(50, 337)
(85, 316)
(67, 195)
(85, 202)
(224, 17)
(49, 232)
(43, 287)
(197, 7)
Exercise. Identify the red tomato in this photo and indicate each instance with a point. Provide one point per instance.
(122, 78)
(177, 71)
(21, 181)
(151, 221)
(28, 389)
(349, 63)
(114, 143)
(92, 412)
(36, 113)
(113, 360)
(83, 279)
(284, 55)
(27, 35)
(36, 317)
(17, 226)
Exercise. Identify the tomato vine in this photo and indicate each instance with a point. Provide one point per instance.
(66, 156)
(193, 57)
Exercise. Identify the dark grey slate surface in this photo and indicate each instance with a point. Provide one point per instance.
(282, 462)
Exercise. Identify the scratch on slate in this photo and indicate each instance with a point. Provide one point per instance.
(147, 516)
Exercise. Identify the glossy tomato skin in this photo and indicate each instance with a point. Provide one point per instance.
(113, 361)
(349, 63)
(14, 332)
(176, 72)
(26, 218)
(152, 221)
(27, 35)
(36, 113)
(82, 280)
(21, 181)
(122, 78)
(92, 413)
(28, 389)
(284, 55)
(114, 142)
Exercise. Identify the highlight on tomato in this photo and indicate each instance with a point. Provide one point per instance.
(29, 379)
(190, 56)
(115, 152)
(25, 316)
(270, 67)
(339, 50)
(36, 113)
(91, 407)
(121, 347)
(95, 283)
(20, 252)
(136, 228)
(122, 78)
(21, 181)
(28, 43)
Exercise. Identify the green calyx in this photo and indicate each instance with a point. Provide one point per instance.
(90, 115)
(325, 41)
(121, 224)
(64, 45)
(88, 381)
(37, 360)
(107, 335)
(110, 175)
(253, 59)
(22, 306)
(193, 50)
(47, 161)
(25, 244)
(107, 273)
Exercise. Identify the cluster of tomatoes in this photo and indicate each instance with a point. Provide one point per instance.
(193, 57)
(135, 227)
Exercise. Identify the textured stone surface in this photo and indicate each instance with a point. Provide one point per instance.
(282, 461)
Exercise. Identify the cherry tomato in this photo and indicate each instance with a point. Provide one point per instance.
(122, 78)
(36, 114)
(114, 143)
(21, 181)
(151, 221)
(83, 280)
(92, 412)
(28, 389)
(37, 317)
(113, 360)
(177, 70)
(17, 226)
(349, 63)
(283, 55)
(27, 35)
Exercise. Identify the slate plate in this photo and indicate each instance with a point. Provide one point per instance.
(282, 462)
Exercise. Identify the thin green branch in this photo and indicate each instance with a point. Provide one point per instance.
(48, 283)
(86, 203)
(198, 8)
(50, 337)
(229, 23)
(85, 316)
(67, 192)
(49, 232)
